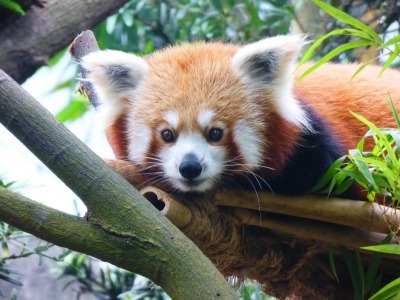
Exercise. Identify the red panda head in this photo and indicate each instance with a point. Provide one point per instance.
(196, 114)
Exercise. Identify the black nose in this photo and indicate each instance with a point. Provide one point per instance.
(190, 167)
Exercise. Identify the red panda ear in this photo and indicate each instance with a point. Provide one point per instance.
(114, 76)
(268, 65)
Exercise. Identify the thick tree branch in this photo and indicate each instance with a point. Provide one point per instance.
(29, 41)
(167, 256)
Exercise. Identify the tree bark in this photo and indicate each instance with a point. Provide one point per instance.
(122, 227)
(28, 42)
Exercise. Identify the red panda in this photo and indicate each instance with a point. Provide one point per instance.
(199, 116)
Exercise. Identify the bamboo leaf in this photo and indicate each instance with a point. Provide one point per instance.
(353, 270)
(10, 280)
(381, 136)
(309, 53)
(372, 272)
(388, 291)
(390, 42)
(356, 157)
(388, 62)
(343, 186)
(390, 249)
(362, 67)
(332, 263)
(14, 294)
(5, 250)
(334, 53)
(393, 109)
(347, 19)
(360, 273)
(327, 177)
(12, 6)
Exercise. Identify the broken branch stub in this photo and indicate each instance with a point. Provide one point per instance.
(82, 45)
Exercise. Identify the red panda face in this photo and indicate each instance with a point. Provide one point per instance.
(197, 114)
(192, 159)
(197, 125)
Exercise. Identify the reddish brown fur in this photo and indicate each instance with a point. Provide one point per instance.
(332, 94)
(191, 78)
(116, 136)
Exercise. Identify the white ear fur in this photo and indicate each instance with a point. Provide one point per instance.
(114, 75)
(269, 64)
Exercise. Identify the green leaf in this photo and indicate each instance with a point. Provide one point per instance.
(332, 263)
(73, 111)
(362, 162)
(361, 275)
(395, 114)
(327, 177)
(347, 19)
(217, 4)
(372, 272)
(14, 294)
(390, 249)
(81, 259)
(353, 268)
(6, 185)
(10, 280)
(381, 136)
(4, 247)
(12, 6)
(64, 254)
(387, 291)
(343, 186)
(316, 44)
(390, 42)
(334, 53)
(69, 283)
(362, 67)
(389, 62)
(356, 157)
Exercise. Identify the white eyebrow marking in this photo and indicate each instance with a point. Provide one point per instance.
(172, 118)
(205, 118)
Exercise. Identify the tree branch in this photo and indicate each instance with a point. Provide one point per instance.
(368, 216)
(29, 41)
(82, 45)
(166, 256)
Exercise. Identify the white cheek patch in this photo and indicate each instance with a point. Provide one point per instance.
(211, 158)
(172, 118)
(249, 143)
(138, 142)
(205, 117)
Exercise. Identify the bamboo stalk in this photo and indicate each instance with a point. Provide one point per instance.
(368, 216)
(311, 229)
(301, 228)
(175, 211)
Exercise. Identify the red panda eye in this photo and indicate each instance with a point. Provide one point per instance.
(167, 136)
(215, 134)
